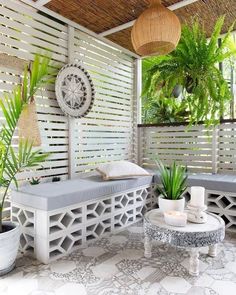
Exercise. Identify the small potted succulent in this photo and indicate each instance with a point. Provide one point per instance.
(173, 185)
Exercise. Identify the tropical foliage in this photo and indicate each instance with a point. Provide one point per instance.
(195, 66)
(164, 110)
(173, 181)
(13, 160)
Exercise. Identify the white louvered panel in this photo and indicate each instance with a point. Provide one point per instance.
(93, 54)
(105, 134)
(227, 148)
(105, 48)
(23, 15)
(22, 35)
(191, 147)
(26, 10)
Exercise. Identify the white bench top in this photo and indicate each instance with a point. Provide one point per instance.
(55, 195)
(217, 182)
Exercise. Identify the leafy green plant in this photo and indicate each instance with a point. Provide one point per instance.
(34, 180)
(195, 66)
(173, 181)
(14, 160)
(164, 110)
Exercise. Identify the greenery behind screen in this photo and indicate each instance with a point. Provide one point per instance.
(163, 102)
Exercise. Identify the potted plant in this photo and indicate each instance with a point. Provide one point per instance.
(194, 65)
(173, 184)
(15, 159)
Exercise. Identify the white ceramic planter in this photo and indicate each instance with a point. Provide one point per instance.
(9, 245)
(171, 205)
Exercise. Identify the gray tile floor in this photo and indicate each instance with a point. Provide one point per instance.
(115, 265)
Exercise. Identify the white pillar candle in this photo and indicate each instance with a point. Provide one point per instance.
(175, 218)
(197, 196)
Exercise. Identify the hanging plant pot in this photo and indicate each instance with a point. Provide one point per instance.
(190, 84)
(177, 91)
(28, 124)
(160, 85)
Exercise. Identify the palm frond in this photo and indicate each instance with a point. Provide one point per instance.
(13, 160)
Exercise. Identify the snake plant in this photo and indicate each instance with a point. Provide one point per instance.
(173, 181)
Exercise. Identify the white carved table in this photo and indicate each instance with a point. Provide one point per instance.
(193, 236)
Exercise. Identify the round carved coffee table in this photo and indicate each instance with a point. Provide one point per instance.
(193, 236)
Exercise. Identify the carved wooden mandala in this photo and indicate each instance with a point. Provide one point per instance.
(74, 90)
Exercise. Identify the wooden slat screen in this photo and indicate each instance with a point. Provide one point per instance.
(207, 150)
(227, 148)
(104, 134)
(25, 32)
(188, 147)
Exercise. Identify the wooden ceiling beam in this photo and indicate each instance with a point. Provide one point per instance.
(42, 2)
(122, 27)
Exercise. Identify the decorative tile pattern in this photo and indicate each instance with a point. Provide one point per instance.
(115, 265)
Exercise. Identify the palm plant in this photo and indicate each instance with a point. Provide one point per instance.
(173, 181)
(14, 160)
(194, 65)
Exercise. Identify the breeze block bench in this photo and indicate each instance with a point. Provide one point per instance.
(57, 217)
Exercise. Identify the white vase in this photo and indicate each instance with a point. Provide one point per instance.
(171, 205)
(9, 245)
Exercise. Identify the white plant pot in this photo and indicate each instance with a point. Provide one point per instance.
(171, 205)
(9, 245)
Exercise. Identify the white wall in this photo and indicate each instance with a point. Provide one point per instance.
(107, 132)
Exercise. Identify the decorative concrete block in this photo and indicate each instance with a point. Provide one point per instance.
(53, 234)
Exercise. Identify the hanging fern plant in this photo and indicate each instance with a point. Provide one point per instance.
(195, 66)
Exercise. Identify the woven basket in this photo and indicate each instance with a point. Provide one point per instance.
(28, 125)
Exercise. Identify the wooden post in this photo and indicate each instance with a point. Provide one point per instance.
(71, 121)
(137, 109)
(215, 149)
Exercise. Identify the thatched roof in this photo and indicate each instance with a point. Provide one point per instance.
(102, 15)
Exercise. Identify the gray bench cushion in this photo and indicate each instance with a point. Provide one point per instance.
(50, 196)
(217, 182)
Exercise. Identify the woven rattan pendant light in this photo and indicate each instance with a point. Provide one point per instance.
(156, 31)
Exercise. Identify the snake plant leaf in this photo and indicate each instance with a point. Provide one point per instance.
(173, 180)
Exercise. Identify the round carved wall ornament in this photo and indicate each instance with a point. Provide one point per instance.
(74, 90)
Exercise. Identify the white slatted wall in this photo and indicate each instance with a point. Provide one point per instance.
(23, 33)
(227, 148)
(104, 134)
(209, 151)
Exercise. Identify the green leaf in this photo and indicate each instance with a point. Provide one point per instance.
(13, 159)
(173, 180)
(194, 66)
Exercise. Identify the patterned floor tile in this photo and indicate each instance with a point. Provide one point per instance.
(116, 264)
